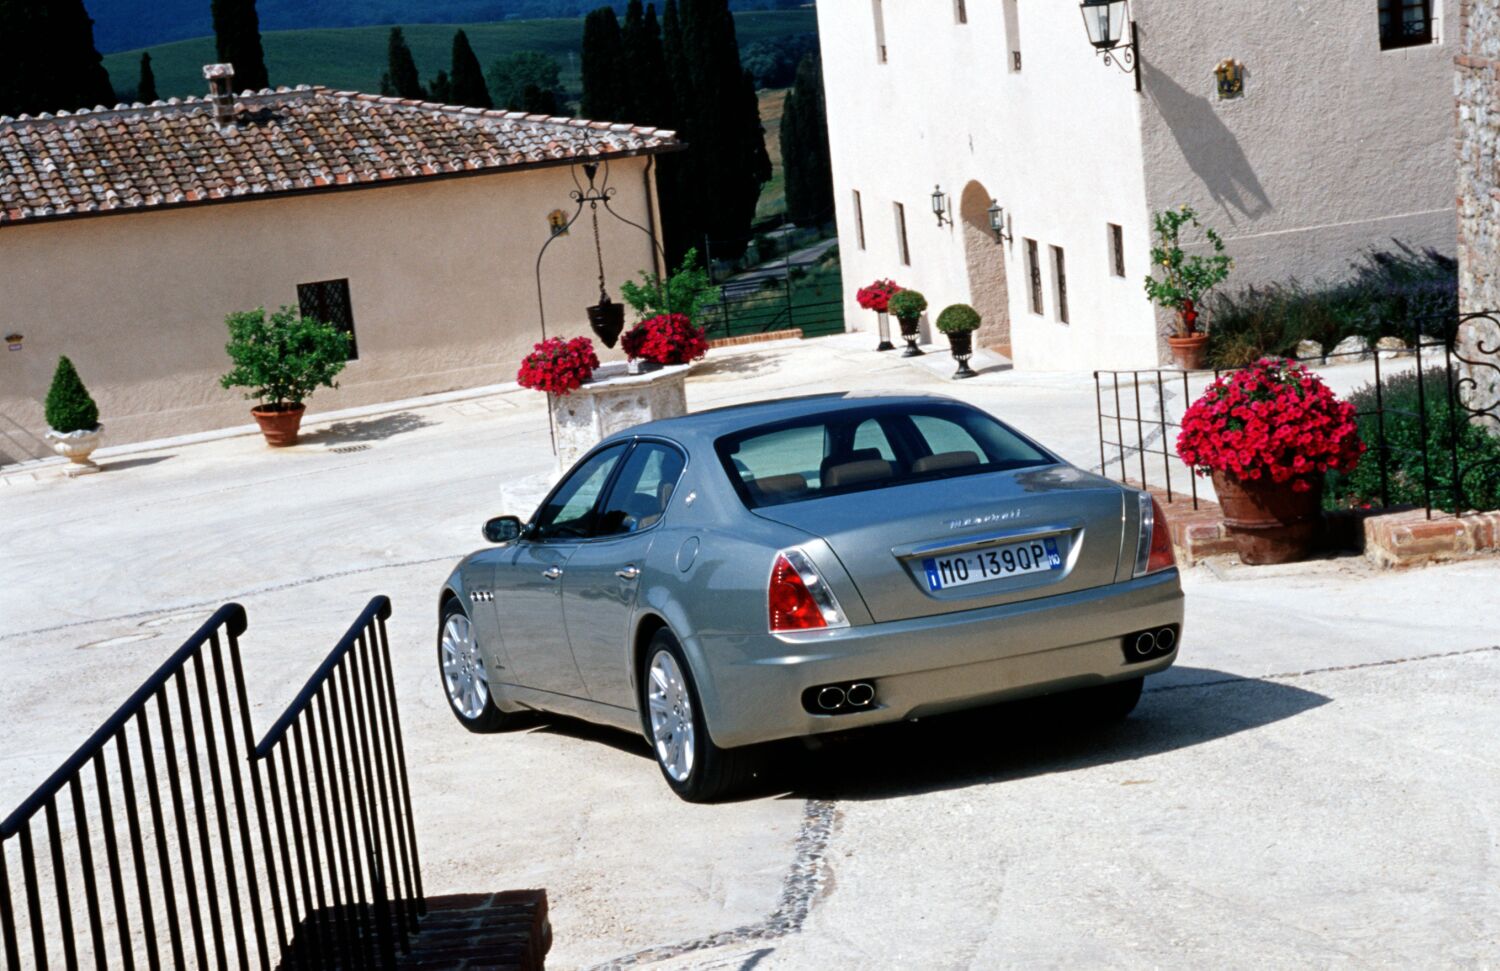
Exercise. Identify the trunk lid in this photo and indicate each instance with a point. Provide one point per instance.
(889, 539)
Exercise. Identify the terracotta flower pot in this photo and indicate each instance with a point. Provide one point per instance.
(1189, 352)
(910, 332)
(961, 345)
(1269, 521)
(279, 424)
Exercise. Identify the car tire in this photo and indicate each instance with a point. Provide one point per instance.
(1110, 702)
(672, 719)
(462, 673)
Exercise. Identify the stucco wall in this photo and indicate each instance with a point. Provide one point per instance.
(1335, 147)
(1478, 91)
(1057, 143)
(441, 278)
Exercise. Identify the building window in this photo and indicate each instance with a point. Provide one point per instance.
(328, 302)
(1405, 23)
(1116, 250)
(960, 12)
(1060, 280)
(1013, 35)
(879, 9)
(859, 220)
(1034, 274)
(901, 246)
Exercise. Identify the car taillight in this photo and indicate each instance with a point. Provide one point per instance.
(1153, 550)
(797, 598)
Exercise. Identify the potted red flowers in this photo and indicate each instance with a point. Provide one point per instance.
(558, 366)
(1267, 434)
(663, 339)
(877, 297)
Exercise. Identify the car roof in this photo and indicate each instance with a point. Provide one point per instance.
(714, 422)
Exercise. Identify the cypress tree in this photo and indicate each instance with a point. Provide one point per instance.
(237, 35)
(679, 219)
(804, 146)
(145, 91)
(603, 67)
(440, 89)
(467, 77)
(50, 61)
(401, 79)
(648, 94)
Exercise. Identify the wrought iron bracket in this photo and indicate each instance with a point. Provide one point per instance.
(1126, 56)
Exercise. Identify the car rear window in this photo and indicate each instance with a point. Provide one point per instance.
(862, 449)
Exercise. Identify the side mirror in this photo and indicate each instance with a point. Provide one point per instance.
(503, 529)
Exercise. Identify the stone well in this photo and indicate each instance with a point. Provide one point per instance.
(612, 401)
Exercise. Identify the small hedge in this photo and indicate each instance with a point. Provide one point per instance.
(960, 318)
(1478, 450)
(907, 305)
(70, 407)
(1384, 297)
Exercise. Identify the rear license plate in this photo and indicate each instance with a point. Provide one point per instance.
(1012, 559)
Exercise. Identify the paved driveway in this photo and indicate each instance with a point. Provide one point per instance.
(1315, 783)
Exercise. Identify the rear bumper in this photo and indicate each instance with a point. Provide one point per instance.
(753, 687)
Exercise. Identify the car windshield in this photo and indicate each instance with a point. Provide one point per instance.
(875, 447)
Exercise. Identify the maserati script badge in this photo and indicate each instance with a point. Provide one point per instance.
(994, 517)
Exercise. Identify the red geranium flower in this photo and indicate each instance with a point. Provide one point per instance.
(877, 296)
(557, 366)
(1273, 420)
(665, 339)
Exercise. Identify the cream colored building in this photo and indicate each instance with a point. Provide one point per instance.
(127, 235)
(1341, 140)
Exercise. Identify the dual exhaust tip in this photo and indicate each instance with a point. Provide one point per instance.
(839, 699)
(1153, 643)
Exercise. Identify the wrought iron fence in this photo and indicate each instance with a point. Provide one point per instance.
(194, 846)
(1457, 386)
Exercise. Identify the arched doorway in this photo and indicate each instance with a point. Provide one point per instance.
(988, 291)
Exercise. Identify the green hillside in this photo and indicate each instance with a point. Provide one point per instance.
(355, 57)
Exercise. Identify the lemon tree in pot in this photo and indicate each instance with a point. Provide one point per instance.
(281, 360)
(72, 419)
(959, 322)
(1179, 282)
(907, 307)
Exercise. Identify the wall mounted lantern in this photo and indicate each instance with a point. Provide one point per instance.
(940, 207)
(1105, 21)
(997, 222)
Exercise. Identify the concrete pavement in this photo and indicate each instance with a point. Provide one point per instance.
(1315, 783)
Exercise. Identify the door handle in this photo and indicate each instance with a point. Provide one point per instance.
(629, 573)
(552, 572)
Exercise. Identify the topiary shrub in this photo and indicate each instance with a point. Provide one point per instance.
(907, 305)
(69, 405)
(1478, 451)
(958, 319)
(284, 359)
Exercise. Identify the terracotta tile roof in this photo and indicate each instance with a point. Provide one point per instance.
(177, 152)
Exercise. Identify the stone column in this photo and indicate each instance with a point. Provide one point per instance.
(1477, 88)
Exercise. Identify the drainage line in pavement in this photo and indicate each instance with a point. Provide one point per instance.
(1289, 675)
(798, 889)
(219, 601)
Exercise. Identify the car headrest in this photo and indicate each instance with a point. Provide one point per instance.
(944, 460)
(664, 493)
(857, 455)
(853, 473)
(779, 486)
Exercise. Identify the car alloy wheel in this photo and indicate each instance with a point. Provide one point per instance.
(671, 708)
(464, 676)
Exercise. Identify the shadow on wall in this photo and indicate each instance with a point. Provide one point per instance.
(19, 443)
(1210, 149)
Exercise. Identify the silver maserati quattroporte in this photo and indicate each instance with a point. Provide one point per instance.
(788, 568)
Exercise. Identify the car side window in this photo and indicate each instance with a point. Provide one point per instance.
(642, 491)
(569, 513)
(943, 436)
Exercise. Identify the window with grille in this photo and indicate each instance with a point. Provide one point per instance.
(1405, 23)
(878, 7)
(328, 301)
(859, 220)
(901, 246)
(1013, 34)
(1116, 250)
(960, 12)
(1034, 274)
(1060, 280)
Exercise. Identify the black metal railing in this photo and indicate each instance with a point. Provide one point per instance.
(1139, 415)
(170, 838)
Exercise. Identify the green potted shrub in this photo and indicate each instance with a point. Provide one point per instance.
(907, 307)
(282, 360)
(72, 419)
(959, 322)
(1179, 282)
